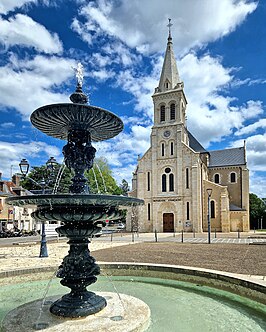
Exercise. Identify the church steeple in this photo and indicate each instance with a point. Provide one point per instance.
(169, 79)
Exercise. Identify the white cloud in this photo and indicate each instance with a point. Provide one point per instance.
(7, 125)
(23, 30)
(12, 153)
(9, 5)
(136, 23)
(252, 128)
(258, 184)
(256, 151)
(37, 77)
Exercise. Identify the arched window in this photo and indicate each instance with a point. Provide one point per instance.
(217, 178)
(172, 148)
(162, 146)
(172, 112)
(212, 209)
(164, 183)
(171, 182)
(148, 181)
(233, 177)
(162, 113)
(149, 211)
(166, 84)
(187, 178)
(187, 210)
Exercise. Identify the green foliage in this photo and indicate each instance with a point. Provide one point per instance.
(257, 207)
(37, 174)
(101, 179)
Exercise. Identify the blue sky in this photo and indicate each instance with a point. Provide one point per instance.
(220, 48)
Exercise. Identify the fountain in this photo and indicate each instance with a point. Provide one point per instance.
(179, 297)
(83, 214)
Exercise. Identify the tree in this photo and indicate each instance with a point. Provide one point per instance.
(257, 208)
(38, 174)
(100, 178)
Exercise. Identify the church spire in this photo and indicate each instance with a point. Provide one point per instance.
(169, 76)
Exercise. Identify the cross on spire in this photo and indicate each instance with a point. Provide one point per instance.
(169, 27)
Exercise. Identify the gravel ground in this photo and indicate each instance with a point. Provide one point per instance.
(234, 258)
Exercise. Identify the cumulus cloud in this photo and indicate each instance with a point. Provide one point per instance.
(12, 153)
(195, 24)
(23, 30)
(252, 128)
(37, 77)
(9, 5)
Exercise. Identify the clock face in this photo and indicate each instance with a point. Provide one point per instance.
(167, 133)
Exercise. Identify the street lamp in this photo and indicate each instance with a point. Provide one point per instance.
(24, 169)
(209, 192)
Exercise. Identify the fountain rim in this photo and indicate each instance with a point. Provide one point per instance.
(234, 283)
(74, 199)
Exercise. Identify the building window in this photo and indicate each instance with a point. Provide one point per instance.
(217, 178)
(233, 177)
(212, 209)
(187, 210)
(148, 181)
(163, 183)
(162, 149)
(187, 178)
(162, 113)
(171, 182)
(166, 85)
(149, 211)
(167, 170)
(172, 112)
(172, 148)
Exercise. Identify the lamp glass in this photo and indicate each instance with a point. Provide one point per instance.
(209, 192)
(24, 167)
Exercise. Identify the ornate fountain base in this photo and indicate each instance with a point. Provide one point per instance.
(78, 271)
(78, 305)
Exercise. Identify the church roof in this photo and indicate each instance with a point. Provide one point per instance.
(227, 157)
(233, 207)
(194, 144)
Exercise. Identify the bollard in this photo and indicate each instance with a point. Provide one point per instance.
(112, 237)
(132, 236)
(155, 234)
(182, 236)
(215, 233)
(254, 229)
(238, 234)
(194, 235)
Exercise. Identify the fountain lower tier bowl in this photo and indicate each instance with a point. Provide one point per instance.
(83, 208)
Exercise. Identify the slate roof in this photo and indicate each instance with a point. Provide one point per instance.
(194, 144)
(227, 157)
(233, 207)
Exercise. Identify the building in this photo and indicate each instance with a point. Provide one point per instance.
(14, 217)
(173, 175)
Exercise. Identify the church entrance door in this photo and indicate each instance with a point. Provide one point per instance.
(168, 222)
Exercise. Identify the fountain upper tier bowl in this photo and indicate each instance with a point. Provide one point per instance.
(75, 207)
(57, 120)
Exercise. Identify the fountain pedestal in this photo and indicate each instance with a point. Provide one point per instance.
(78, 271)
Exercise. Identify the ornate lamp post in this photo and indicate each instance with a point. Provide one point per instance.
(209, 192)
(24, 168)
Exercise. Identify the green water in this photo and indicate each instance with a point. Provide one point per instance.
(175, 306)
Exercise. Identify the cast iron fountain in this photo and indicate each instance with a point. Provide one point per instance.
(82, 213)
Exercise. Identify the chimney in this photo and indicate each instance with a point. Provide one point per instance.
(16, 179)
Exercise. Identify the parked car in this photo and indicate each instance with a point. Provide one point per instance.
(121, 226)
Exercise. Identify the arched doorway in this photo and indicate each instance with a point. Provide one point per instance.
(168, 222)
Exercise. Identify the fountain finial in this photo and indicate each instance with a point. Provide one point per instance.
(78, 96)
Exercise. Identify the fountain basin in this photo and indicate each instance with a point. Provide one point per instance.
(180, 305)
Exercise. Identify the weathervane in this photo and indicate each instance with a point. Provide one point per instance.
(79, 74)
(169, 26)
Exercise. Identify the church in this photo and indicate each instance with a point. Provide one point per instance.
(182, 184)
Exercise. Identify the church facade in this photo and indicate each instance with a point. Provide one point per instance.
(173, 176)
